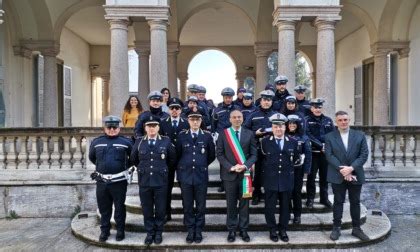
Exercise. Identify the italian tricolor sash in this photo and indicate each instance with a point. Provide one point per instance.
(239, 155)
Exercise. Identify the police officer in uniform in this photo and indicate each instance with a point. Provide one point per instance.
(267, 87)
(290, 107)
(110, 154)
(281, 92)
(192, 105)
(317, 126)
(239, 96)
(196, 151)
(155, 102)
(171, 127)
(153, 155)
(258, 122)
(221, 114)
(303, 104)
(200, 91)
(280, 153)
(201, 95)
(247, 106)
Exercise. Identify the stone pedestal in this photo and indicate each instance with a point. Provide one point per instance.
(262, 52)
(286, 59)
(173, 50)
(183, 77)
(158, 50)
(143, 51)
(325, 71)
(119, 84)
(50, 108)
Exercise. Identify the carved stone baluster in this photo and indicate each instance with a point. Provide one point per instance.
(410, 148)
(400, 143)
(11, 157)
(65, 153)
(2, 154)
(22, 152)
(84, 150)
(369, 162)
(55, 153)
(417, 150)
(378, 153)
(44, 157)
(32, 152)
(77, 154)
(390, 150)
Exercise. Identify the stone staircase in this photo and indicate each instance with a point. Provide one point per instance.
(313, 232)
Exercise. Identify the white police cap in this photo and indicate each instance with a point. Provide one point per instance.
(278, 119)
(293, 118)
(112, 120)
(227, 91)
(267, 94)
(281, 79)
(155, 95)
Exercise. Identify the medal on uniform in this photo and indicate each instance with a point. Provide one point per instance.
(203, 150)
(162, 156)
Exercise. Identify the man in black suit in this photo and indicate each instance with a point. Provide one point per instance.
(346, 151)
(232, 174)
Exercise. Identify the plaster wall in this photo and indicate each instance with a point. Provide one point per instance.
(413, 70)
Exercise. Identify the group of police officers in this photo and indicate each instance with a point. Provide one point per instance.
(289, 130)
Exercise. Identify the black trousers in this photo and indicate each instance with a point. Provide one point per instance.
(339, 191)
(194, 219)
(171, 178)
(297, 192)
(233, 196)
(108, 194)
(257, 180)
(319, 163)
(271, 198)
(153, 204)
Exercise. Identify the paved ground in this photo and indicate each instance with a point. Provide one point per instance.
(53, 234)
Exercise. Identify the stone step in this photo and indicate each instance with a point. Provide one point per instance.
(218, 206)
(376, 227)
(217, 222)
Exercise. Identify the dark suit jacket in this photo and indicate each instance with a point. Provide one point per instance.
(225, 155)
(355, 156)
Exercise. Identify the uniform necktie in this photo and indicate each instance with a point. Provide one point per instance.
(174, 124)
(194, 137)
(237, 134)
(279, 144)
(152, 142)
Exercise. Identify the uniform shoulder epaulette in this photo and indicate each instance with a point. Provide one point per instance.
(184, 131)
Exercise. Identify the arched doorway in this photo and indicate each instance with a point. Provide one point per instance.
(214, 70)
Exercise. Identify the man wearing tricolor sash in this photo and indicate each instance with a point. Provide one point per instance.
(237, 152)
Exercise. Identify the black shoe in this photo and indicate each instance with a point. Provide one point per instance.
(221, 189)
(148, 240)
(120, 236)
(310, 203)
(326, 203)
(296, 220)
(190, 237)
(103, 236)
(335, 233)
(198, 237)
(358, 232)
(283, 236)
(168, 217)
(273, 236)
(231, 236)
(244, 235)
(158, 239)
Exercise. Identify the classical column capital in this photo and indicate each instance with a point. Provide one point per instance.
(242, 76)
(121, 23)
(262, 49)
(173, 48)
(183, 76)
(22, 51)
(142, 48)
(325, 23)
(384, 47)
(404, 52)
(45, 47)
(158, 24)
(285, 24)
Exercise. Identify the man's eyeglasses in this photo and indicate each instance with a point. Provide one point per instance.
(176, 108)
(112, 127)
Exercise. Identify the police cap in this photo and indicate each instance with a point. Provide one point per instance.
(201, 90)
(152, 120)
(290, 98)
(248, 96)
(195, 114)
(267, 94)
(112, 121)
(278, 118)
(269, 87)
(175, 102)
(241, 90)
(193, 88)
(155, 95)
(281, 80)
(293, 118)
(192, 98)
(317, 102)
(300, 89)
(228, 92)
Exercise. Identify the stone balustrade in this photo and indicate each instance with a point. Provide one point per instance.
(61, 154)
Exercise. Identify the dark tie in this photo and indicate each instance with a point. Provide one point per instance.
(279, 143)
(152, 142)
(237, 134)
(194, 137)
(174, 124)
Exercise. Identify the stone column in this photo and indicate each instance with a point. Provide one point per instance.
(262, 51)
(119, 85)
(50, 107)
(105, 96)
(2, 105)
(183, 77)
(159, 57)
(287, 54)
(325, 70)
(173, 50)
(143, 51)
(240, 78)
(380, 88)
